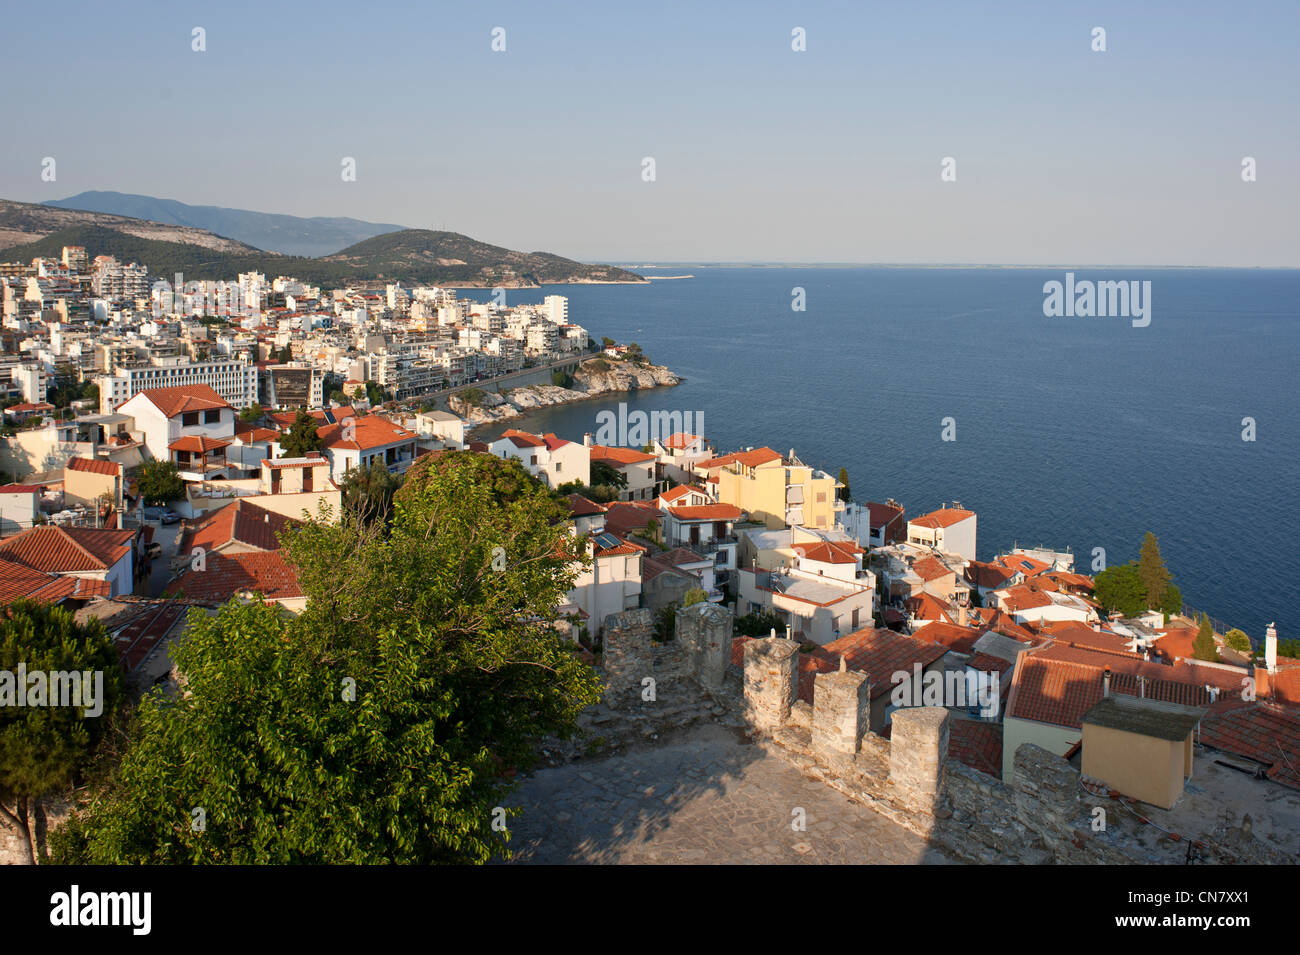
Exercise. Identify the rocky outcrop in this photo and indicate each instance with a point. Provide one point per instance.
(593, 378)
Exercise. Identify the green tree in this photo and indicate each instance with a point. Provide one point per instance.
(285, 354)
(604, 474)
(253, 412)
(1151, 569)
(843, 493)
(302, 436)
(442, 628)
(695, 595)
(368, 492)
(1237, 640)
(760, 624)
(561, 378)
(159, 482)
(1203, 647)
(1120, 588)
(1172, 602)
(46, 749)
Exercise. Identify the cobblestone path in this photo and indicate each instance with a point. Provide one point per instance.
(705, 797)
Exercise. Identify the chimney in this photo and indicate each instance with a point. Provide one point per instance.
(586, 439)
(1105, 683)
(961, 613)
(1270, 648)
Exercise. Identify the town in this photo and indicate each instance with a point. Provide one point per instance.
(161, 439)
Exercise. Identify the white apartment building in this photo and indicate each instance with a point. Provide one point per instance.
(235, 381)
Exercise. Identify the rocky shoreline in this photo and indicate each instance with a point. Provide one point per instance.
(588, 382)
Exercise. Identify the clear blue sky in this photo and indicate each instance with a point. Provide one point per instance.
(1064, 155)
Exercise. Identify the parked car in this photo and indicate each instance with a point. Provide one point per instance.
(164, 515)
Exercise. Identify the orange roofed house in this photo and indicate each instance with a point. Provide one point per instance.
(778, 491)
(554, 460)
(358, 442)
(189, 425)
(949, 529)
(638, 467)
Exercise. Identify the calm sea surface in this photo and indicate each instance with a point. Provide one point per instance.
(1070, 432)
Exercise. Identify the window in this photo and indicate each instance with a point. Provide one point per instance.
(189, 419)
(212, 416)
(559, 466)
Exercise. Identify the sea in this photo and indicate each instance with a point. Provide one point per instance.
(934, 385)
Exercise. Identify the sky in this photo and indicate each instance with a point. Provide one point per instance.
(1063, 155)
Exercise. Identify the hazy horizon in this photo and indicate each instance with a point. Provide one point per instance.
(1064, 156)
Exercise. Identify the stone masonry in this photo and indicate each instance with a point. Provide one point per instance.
(704, 632)
(771, 681)
(1041, 817)
(627, 649)
(917, 755)
(841, 712)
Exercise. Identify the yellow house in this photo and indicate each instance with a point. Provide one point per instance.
(86, 480)
(779, 492)
(1140, 747)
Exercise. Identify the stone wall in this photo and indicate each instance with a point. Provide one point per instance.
(1043, 816)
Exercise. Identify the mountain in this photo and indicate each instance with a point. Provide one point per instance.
(25, 222)
(459, 258)
(290, 235)
(28, 231)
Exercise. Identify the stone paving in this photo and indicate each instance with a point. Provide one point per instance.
(705, 796)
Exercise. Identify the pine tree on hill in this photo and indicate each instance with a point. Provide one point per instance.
(844, 494)
(1203, 648)
(1151, 568)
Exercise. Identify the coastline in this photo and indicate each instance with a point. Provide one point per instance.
(619, 378)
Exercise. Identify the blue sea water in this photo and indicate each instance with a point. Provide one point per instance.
(1070, 432)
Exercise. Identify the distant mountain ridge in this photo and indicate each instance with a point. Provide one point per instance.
(30, 230)
(273, 232)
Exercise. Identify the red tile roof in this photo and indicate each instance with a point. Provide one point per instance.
(60, 550)
(1265, 732)
(681, 490)
(372, 431)
(959, 639)
(749, 459)
(197, 444)
(580, 506)
(21, 488)
(882, 653)
(619, 457)
(931, 568)
(225, 575)
(183, 398)
(882, 514)
(239, 522)
(623, 517)
(1060, 692)
(707, 512)
(945, 517)
(977, 744)
(990, 576)
(20, 582)
(680, 441)
(94, 466)
(926, 606)
(830, 552)
(522, 439)
(29, 406)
